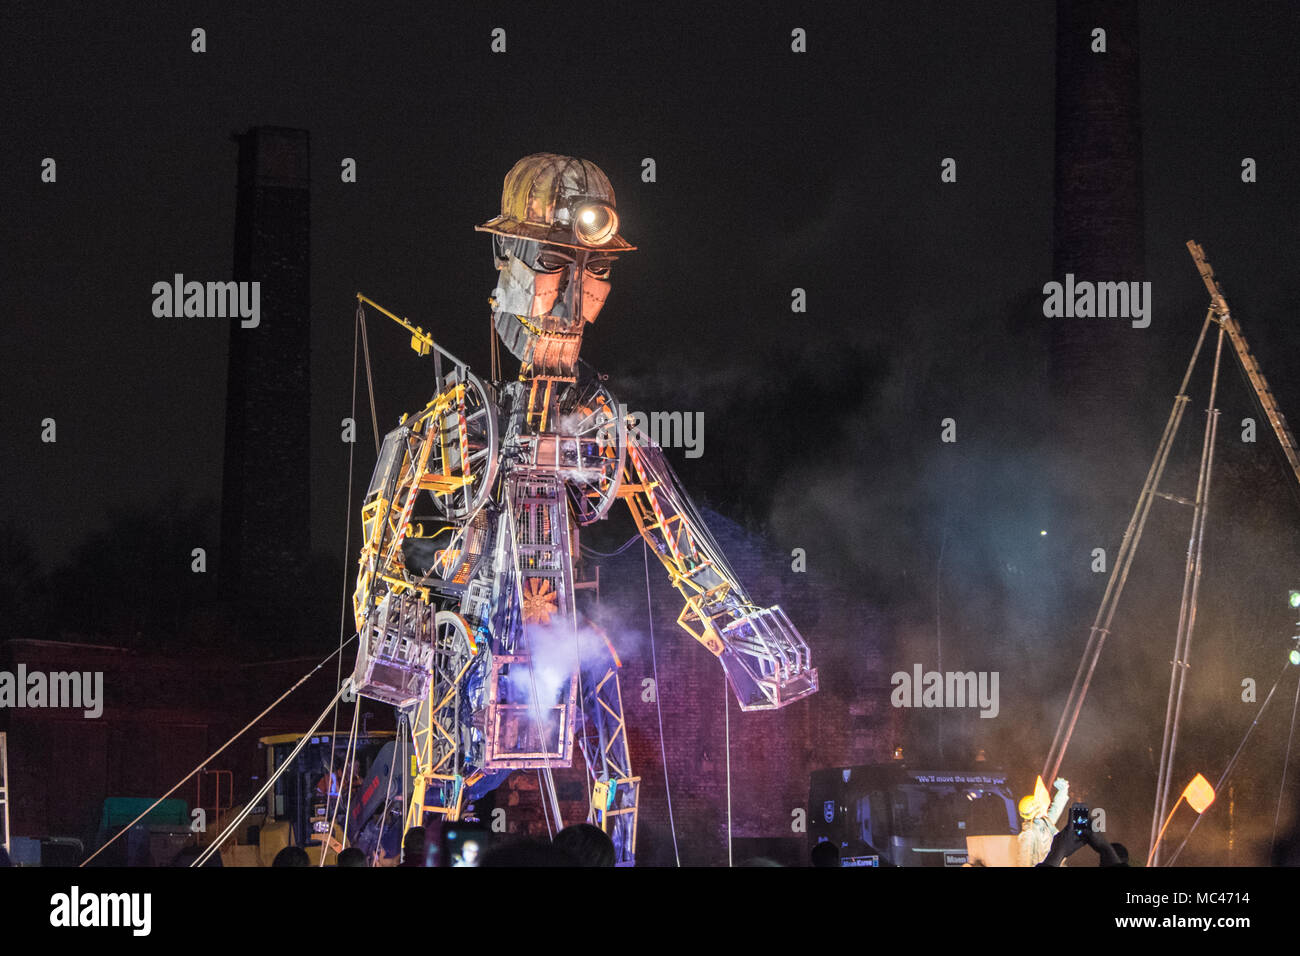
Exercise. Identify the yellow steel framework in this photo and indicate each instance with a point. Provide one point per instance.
(764, 656)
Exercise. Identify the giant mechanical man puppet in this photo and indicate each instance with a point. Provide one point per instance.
(465, 598)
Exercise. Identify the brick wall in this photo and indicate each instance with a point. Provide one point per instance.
(849, 721)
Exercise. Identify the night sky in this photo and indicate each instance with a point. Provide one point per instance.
(774, 171)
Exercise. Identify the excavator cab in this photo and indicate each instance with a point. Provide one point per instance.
(315, 809)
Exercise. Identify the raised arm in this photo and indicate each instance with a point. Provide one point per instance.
(1059, 801)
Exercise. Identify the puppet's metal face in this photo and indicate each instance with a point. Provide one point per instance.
(544, 297)
(540, 281)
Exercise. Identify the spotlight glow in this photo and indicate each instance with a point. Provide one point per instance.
(596, 224)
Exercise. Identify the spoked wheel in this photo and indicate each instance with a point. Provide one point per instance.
(464, 462)
(602, 448)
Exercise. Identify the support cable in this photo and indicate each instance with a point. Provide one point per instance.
(347, 544)
(1101, 624)
(350, 768)
(1286, 762)
(348, 762)
(654, 664)
(726, 709)
(399, 754)
(1187, 608)
(1227, 771)
(370, 381)
(612, 554)
(231, 827)
(212, 756)
(550, 834)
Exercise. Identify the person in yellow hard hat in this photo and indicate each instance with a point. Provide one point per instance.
(1038, 823)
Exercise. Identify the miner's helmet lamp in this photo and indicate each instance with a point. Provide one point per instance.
(1029, 807)
(560, 201)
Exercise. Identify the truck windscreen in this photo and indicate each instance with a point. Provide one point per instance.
(945, 815)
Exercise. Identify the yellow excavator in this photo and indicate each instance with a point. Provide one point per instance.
(312, 806)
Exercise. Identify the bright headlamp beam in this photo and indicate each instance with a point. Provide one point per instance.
(596, 224)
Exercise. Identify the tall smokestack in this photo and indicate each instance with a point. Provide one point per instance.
(265, 502)
(1098, 232)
